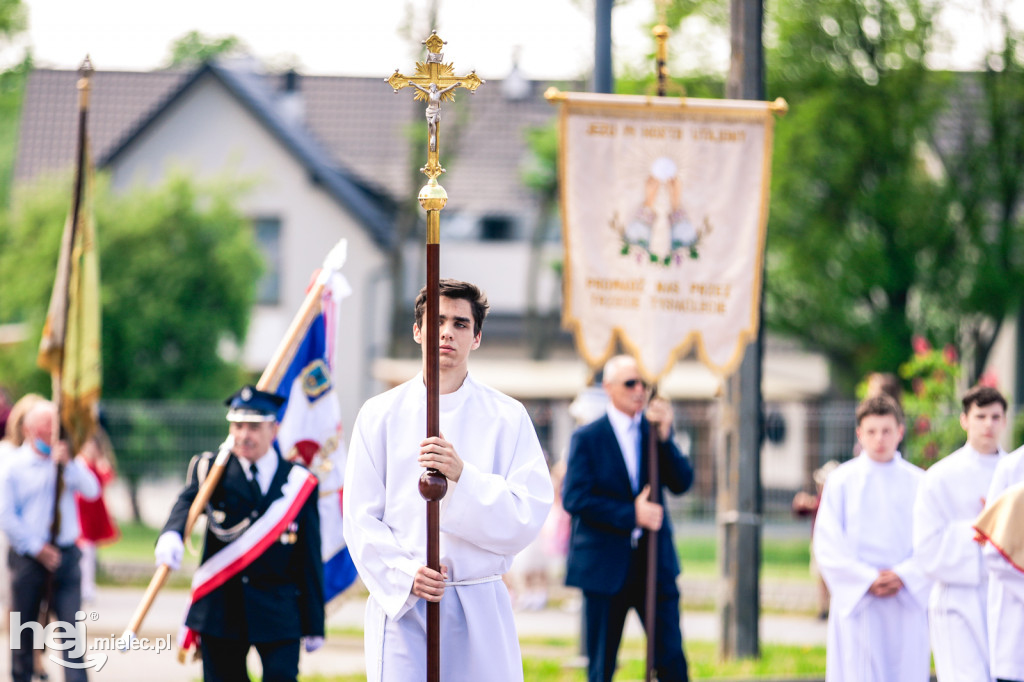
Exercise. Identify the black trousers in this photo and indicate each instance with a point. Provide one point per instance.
(224, 659)
(29, 585)
(606, 615)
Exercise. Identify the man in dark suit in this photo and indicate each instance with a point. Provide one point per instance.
(264, 510)
(613, 518)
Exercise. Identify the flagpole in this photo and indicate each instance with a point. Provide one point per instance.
(85, 72)
(661, 33)
(651, 594)
(269, 381)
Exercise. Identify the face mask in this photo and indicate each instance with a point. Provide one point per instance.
(41, 446)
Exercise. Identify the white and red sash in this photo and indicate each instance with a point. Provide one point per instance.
(247, 547)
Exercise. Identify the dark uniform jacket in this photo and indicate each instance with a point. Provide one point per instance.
(279, 596)
(598, 495)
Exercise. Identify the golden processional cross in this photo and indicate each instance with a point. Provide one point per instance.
(435, 83)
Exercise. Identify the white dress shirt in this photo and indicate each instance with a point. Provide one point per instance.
(27, 487)
(266, 467)
(627, 432)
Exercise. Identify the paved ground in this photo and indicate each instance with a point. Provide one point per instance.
(115, 606)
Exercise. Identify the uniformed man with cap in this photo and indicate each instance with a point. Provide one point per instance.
(260, 582)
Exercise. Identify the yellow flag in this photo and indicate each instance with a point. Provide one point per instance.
(70, 345)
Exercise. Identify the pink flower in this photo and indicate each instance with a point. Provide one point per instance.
(922, 425)
(920, 345)
(989, 379)
(949, 354)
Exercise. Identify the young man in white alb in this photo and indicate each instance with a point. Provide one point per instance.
(878, 622)
(949, 500)
(499, 493)
(1000, 528)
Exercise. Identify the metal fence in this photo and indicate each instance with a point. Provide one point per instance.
(155, 440)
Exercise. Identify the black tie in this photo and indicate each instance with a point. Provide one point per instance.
(253, 483)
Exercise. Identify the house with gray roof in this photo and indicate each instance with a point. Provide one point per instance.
(338, 157)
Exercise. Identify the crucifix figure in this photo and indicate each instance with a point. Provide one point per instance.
(434, 108)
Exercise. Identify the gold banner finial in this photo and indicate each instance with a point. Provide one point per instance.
(85, 72)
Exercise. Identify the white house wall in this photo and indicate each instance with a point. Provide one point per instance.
(500, 268)
(782, 463)
(209, 133)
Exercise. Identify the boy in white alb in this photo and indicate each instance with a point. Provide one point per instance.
(949, 500)
(877, 625)
(499, 493)
(1000, 527)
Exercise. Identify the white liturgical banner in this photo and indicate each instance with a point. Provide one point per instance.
(665, 205)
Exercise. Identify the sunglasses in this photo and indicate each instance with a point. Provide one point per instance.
(632, 383)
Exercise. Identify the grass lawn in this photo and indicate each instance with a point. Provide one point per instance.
(781, 559)
(134, 549)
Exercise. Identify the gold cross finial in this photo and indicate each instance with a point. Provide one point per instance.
(435, 83)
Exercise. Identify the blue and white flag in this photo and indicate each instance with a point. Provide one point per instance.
(311, 429)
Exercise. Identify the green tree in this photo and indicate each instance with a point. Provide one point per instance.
(856, 218)
(194, 48)
(12, 19)
(981, 276)
(12, 87)
(178, 271)
(540, 174)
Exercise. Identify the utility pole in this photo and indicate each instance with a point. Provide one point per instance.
(739, 501)
(603, 79)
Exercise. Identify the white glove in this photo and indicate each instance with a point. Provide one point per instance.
(169, 550)
(312, 643)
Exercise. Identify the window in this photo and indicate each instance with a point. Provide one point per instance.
(268, 239)
(496, 228)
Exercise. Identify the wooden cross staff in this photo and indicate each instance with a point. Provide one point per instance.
(435, 83)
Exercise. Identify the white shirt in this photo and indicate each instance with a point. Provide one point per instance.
(266, 467)
(627, 432)
(27, 487)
